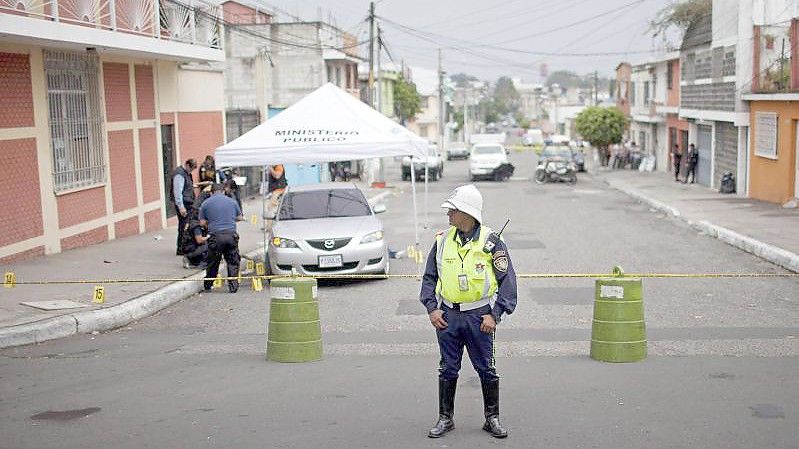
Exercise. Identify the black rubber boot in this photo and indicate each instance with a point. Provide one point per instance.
(233, 286)
(491, 406)
(446, 408)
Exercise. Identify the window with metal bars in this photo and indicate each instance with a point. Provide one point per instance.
(76, 120)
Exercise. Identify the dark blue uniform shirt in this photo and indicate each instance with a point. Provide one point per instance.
(506, 280)
(220, 211)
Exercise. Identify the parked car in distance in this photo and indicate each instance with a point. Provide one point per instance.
(485, 158)
(327, 228)
(433, 162)
(457, 152)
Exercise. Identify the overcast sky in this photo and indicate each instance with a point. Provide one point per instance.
(473, 33)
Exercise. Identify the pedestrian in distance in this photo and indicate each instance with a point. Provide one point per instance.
(183, 197)
(676, 158)
(219, 215)
(693, 161)
(468, 284)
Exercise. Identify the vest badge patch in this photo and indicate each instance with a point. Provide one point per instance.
(501, 263)
(479, 267)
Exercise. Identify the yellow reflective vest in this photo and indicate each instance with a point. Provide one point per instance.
(465, 263)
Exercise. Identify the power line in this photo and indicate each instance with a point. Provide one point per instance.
(571, 25)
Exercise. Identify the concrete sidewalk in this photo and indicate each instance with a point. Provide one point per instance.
(757, 227)
(144, 256)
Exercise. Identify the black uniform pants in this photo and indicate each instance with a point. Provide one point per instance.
(463, 331)
(677, 163)
(222, 244)
(690, 171)
(182, 222)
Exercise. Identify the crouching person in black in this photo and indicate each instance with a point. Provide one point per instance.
(219, 215)
(195, 243)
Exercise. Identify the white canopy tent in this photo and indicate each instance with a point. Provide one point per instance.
(327, 125)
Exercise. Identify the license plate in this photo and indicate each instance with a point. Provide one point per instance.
(330, 261)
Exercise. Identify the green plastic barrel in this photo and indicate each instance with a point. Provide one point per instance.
(295, 332)
(618, 333)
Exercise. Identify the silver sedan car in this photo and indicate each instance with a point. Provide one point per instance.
(327, 229)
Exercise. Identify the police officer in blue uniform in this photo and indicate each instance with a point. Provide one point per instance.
(469, 283)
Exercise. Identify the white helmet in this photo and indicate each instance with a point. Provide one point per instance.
(466, 199)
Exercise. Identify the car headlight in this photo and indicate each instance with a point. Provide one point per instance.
(372, 237)
(279, 242)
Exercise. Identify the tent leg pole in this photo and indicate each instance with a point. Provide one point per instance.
(415, 215)
(264, 188)
(426, 216)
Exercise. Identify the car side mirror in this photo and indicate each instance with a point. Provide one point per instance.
(379, 208)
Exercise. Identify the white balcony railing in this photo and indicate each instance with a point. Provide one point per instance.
(188, 21)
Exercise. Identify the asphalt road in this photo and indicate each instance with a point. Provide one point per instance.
(721, 371)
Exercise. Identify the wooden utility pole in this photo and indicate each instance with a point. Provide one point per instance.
(371, 87)
(596, 88)
(441, 106)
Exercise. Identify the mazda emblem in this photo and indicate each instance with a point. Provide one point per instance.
(329, 244)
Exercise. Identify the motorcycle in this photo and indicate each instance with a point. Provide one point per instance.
(555, 170)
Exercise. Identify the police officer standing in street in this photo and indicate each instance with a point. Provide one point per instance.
(219, 214)
(468, 284)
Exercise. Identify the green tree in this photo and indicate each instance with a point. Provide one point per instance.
(679, 14)
(601, 126)
(407, 102)
(462, 79)
(505, 96)
(458, 115)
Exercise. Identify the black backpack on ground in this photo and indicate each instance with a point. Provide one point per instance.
(727, 183)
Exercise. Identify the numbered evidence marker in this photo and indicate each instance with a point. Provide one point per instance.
(411, 251)
(10, 280)
(218, 281)
(259, 269)
(250, 265)
(99, 294)
(257, 285)
(253, 219)
(419, 257)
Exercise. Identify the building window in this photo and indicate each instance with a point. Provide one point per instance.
(76, 122)
(646, 92)
(338, 76)
(632, 93)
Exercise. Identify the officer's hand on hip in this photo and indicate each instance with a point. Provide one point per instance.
(437, 319)
(488, 325)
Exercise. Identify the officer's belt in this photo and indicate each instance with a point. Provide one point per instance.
(466, 305)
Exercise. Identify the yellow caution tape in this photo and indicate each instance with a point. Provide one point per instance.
(219, 279)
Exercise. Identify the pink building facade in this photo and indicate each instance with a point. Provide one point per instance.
(100, 106)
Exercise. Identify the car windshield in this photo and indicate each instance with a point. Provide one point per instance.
(488, 149)
(326, 203)
(564, 152)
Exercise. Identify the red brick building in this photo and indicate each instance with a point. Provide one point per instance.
(99, 106)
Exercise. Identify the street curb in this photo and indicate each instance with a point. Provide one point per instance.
(108, 318)
(660, 206)
(118, 315)
(770, 253)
